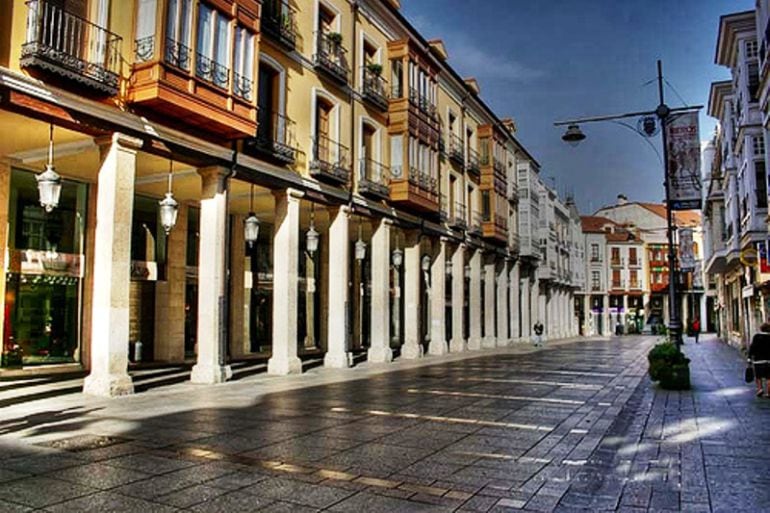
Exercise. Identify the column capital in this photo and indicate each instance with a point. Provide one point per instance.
(292, 195)
(342, 209)
(121, 139)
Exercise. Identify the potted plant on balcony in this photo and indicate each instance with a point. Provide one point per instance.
(334, 38)
(669, 367)
(374, 68)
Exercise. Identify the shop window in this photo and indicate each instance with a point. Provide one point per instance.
(44, 284)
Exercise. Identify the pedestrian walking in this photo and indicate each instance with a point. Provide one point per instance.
(759, 355)
(696, 329)
(538, 329)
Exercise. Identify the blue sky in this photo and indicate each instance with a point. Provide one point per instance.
(546, 60)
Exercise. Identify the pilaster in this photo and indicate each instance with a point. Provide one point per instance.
(489, 303)
(474, 296)
(379, 349)
(412, 275)
(337, 353)
(438, 344)
(458, 344)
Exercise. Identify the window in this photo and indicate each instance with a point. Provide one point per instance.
(616, 282)
(595, 280)
(213, 48)
(761, 183)
(615, 255)
(178, 33)
(634, 278)
(594, 252)
(759, 146)
(485, 206)
(243, 63)
(632, 256)
(751, 49)
(145, 29)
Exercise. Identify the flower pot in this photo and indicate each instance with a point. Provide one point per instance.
(676, 377)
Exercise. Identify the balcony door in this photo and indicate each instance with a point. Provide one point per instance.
(323, 130)
(268, 102)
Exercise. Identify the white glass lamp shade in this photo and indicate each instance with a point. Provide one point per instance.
(251, 229)
(311, 240)
(467, 270)
(425, 264)
(449, 268)
(397, 258)
(168, 212)
(49, 188)
(360, 250)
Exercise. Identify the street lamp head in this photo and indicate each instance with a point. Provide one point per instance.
(360, 250)
(397, 258)
(49, 188)
(573, 135)
(311, 240)
(251, 229)
(169, 209)
(425, 263)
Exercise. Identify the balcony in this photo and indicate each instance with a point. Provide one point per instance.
(169, 80)
(473, 165)
(617, 262)
(596, 259)
(275, 139)
(375, 89)
(455, 152)
(618, 285)
(373, 179)
(635, 285)
(330, 57)
(330, 161)
(514, 245)
(512, 191)
(279, 22)
(634, 262)
(422, 103)
(595, 287)
(70, 47)
(417, 191)
(458, 216)
(476, 224)
(443, 212)
(495, 228)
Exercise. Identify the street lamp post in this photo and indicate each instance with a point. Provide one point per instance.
(663, 113)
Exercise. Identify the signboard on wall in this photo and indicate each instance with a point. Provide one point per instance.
(684, 161)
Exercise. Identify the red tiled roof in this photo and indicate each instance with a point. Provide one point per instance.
(595, 224)
(681, 217)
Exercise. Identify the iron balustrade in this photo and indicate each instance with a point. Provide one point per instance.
(375, 89)
(456, 148)
(211, 71)
(177, 54)
(242, 86)
(330, 160)
(373, 178)
(422, 102)
(423, 180)
(473, 161)
(478, 219)
(144, 49)
(69, 45)
(330, 56)
(279, 21)
(458, 216)
(275, 137)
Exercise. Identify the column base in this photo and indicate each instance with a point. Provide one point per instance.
(502, 342)
(109, 385)
(489, 342)
(513, 341)
(411, 351)
(474, 344)
(438, 348)
(210, 374)
(282, 366)
(338, 360)
(379, 355)
(457, 346)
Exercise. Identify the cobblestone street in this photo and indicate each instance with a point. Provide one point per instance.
(573, 427)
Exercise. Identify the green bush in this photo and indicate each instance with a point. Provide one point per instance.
(669, 367)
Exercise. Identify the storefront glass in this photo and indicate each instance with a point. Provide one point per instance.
(44, 282)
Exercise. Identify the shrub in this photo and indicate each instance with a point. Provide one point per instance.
(669, 367)
(374, 68)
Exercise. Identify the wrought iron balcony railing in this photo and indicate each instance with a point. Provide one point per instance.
(330, 160)
(458, 217)
(243, 87)
(423, 180)
(422, 103)
(279, 22)
(373, 178)
(211, 71)
(177, 54)
(375, 89)
(444, 208)
(275, 138)
(330, 56)
(71, 46)
(456, 149)
(476, 223)
(473, 162)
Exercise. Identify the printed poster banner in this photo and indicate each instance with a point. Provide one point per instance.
(684, 161)
(686, 250)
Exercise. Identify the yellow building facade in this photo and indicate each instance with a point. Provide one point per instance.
(339, 191)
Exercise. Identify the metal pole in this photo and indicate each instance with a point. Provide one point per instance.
(674, 324)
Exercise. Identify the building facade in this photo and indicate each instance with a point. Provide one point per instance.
(340, 190)
(735, 176)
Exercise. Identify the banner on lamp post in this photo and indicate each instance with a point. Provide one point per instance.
(686, 250)
(684, 161)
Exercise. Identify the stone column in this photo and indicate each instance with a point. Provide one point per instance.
(703, 309)
(606, 327)
(170, 294)
(474, 296)
(624, 317)
(337, 352)
(379, 348)
(212, 281)
(5, 195)
(112, 268)
(239, 338)
(526, 309)
(438, 345)
(412, 347)
(543, 311)
(489, 303)
(285, 291)
(458, 344)
(502, 304)
(513, 304)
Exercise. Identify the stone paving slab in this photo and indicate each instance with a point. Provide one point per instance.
(573, 427)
